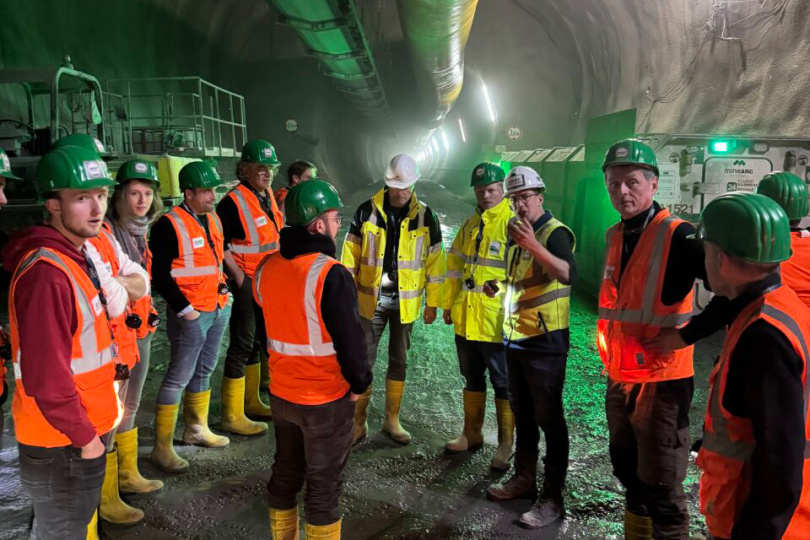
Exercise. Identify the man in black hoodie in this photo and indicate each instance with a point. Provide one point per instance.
(317, 356)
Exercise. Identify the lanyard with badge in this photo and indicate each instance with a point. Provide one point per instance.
(121, 369)
(223, 287)
(470, 281)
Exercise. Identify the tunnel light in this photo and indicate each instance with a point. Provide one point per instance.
(435, 144)
(722, 146)
(461, 129)
(490, 104)
(445, 140)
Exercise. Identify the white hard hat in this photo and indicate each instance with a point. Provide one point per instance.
(523, 178)
(402, 172)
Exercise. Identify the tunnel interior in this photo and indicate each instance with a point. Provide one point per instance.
(530, 75)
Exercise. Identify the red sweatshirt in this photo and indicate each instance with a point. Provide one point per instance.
(46, 319)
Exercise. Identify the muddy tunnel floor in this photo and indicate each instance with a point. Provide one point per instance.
(391, 492)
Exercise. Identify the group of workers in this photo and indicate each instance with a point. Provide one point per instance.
(82, 317)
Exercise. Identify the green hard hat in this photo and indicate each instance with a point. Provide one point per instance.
(788, 190)
(82, 140)
(487, 173)
(259, 151)
(136, 169)
(630, 152)
(748, 226)
(307, 200)
(5, 167)
(199, 174)
(72, 167)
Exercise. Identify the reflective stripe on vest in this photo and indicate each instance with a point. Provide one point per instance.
(316, 346)
(253, 238)
(189, 268)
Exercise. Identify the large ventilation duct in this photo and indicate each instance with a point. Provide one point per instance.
(436, 32)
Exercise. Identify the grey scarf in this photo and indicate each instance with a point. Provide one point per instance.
(132, 238)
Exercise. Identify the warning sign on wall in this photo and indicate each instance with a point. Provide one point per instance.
(669, 189)
(728, 174)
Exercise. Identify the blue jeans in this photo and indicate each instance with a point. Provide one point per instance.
(194, 353)
(475, 358)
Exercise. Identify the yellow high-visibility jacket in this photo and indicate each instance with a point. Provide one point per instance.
(478, 252)
(536, 303)
(420, 259)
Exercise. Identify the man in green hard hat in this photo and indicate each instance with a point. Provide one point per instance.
(251, 222)
(5, 176)
(187, 252)
(65, 402)
(317, 356)
(753, 451)
(478, 256)
(651, 264)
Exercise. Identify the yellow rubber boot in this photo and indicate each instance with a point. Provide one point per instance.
(393, 401)
(92, 527)
(254, 406)
(129, 477)
(506, 436)
(361, 416)
(233, 409)
(195, 415)
(324, 532)
(637, 527)
(284, 524)
(163, 454)
(471, 439)
(112, 508)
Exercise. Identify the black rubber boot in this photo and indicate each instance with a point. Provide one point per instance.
(550, 506)
(523, 483)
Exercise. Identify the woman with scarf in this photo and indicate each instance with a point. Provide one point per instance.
(135, 205)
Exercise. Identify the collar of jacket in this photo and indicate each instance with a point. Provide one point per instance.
(491, 214)
(297, 241)
(378, 199)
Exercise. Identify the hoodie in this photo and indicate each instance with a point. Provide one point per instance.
(46, 321)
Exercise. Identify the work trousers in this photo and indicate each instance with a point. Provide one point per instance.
(399, 340)
(243, 350)
(475, 358)
(535, 395)
(313, 443)
(65, 490)
(649, 450)
(194, 353)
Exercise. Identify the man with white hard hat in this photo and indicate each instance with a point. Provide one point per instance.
(540, 269)
(394, 251)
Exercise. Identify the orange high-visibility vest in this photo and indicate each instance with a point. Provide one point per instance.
(198, 269)
(303, 363)
(261, 230)
(125, 337)
(728, 441)
(92, 358)
(630, 307)
(796, 270)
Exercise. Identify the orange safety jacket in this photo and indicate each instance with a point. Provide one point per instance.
(728, 441)
(92, 358)
(261, 230)
(126, 338)
(143, 306)
(630, 307)
(303, 363)
(796, 270)
(198, 270)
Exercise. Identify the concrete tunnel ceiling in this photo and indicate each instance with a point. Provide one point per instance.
(688, 66)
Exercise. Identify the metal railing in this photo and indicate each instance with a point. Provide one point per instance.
(179, 115)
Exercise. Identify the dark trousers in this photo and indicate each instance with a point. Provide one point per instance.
(313, 443)
(649, 450)
(65, 489)
(535, 394)
(475, 358)
(243, 350)
(387, 313)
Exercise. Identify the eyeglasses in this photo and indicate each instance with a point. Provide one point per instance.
(338, 219)
(517, 200)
